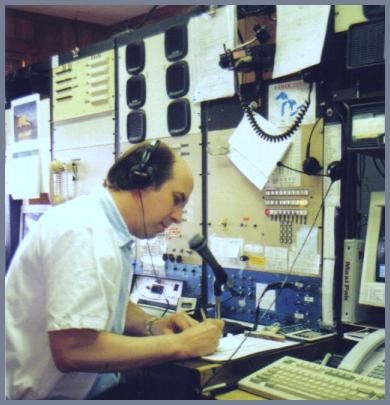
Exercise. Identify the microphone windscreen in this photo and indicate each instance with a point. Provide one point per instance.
(197, 242)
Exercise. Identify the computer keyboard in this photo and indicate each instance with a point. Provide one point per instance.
(291, 378)
(378, 371)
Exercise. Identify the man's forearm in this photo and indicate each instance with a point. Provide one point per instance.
(136, 320)
(106, 352)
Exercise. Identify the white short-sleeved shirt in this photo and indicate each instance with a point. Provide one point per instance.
(70, 271)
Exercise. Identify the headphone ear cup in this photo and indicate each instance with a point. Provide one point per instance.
(335, 170)
(141, 175)
(311, 166)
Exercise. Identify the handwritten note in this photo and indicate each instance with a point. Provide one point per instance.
(300, 36)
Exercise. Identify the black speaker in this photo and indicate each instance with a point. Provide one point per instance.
(176, 45)
(177, 79)
(136, 126)
(136, 91)
(374, 11)
(179, 117)
(142, 173)
(366, 44)
(135, 57)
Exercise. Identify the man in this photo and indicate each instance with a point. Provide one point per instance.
(70, 326)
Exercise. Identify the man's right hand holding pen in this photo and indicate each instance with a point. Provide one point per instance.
(202, 339)
(194, 338)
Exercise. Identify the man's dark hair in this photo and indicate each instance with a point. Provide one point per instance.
(162, 160)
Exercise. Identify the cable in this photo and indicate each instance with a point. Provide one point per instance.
(259, 131)
(309, 141)
(240, 37)
(281, 164)
(379, 170)
(300, 250)
(282, 285)
(246, 11)
(150, 252)
(146, 18)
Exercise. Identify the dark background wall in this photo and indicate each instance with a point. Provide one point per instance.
(32, 38)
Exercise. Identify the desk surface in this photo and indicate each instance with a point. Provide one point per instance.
(238, 394)
(185, 379)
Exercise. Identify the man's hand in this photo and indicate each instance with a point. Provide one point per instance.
(197, 338)
(202, 339)
(174, 323)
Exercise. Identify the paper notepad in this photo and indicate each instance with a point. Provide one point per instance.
(251, 345)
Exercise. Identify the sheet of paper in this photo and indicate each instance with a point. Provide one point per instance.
(300, 36)
(227, 250)
(251, 345)
(329, 235)
(268, 301)
(306, 260)
(332, 153)
(24, 175)
(261, 156)
(282, 177)
(226, 247)
(276, 258)
(250, 171)
(208, 34)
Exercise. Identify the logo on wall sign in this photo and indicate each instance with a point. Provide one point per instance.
(287, 103)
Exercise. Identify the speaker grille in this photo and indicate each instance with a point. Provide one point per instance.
(176, 46)
(366, 44)
(177, 79)
(179, 117)
(136, 126)
(135, 91)
(135, 57)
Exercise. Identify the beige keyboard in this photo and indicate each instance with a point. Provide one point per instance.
(291, 378)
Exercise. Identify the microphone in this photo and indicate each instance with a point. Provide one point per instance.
(199, 244)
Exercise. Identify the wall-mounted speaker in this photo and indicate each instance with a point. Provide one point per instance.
(176, 45)
(366, 44)
(135, 57)
(136, 91)
(177, 79)
(179, 117)
(136, 126)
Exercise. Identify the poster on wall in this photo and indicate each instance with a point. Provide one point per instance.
(23, 166)
(25, 119)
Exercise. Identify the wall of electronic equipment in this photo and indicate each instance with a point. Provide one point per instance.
(268, 143)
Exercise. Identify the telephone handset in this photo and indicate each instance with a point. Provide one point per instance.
(365, 354)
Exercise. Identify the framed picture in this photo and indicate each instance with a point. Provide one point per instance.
(25, 118)
(29, 216)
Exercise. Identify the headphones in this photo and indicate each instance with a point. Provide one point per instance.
(141, 174)
(310, 165)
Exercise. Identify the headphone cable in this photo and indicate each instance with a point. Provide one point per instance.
(150, 252)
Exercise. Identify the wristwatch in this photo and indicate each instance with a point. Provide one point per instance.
(149, 325)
